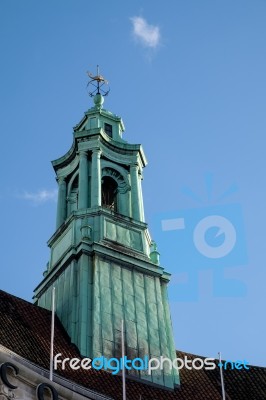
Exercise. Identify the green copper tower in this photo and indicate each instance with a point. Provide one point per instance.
(103, 263)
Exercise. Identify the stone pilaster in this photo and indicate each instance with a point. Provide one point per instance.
(61, 202)
(135, 194)
(96, 192)
(83, 180)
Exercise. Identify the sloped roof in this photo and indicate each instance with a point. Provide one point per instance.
(25, 329)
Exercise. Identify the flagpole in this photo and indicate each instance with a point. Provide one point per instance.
(221, 374)
(52, 336)
(123, 360)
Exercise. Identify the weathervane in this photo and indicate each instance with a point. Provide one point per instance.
(98, 84)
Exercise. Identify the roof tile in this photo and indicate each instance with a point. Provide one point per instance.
(25, 329)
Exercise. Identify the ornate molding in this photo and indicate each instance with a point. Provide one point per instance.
(6, 393)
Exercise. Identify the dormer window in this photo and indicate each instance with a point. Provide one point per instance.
(108, 130)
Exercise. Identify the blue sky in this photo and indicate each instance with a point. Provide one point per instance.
(188, 79)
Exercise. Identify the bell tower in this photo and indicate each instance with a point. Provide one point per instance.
(103, 263)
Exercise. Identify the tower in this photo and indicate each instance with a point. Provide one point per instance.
(103, 263)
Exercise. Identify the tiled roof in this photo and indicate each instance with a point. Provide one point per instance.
(25, 329)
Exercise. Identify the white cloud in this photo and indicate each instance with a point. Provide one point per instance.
(148, 35)
(42, 196)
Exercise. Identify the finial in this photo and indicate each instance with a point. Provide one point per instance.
(98, 84)
(154, 254)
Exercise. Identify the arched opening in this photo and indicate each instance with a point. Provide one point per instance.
(109, 193)
(72, 199)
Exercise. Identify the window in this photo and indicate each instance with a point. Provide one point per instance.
(109, 193)
(108, 130)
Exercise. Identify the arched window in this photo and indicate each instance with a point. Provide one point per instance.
(72, 199)
(109, 193)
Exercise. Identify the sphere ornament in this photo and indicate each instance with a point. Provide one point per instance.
(98, 100)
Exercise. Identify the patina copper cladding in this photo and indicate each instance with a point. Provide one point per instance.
(103, 262)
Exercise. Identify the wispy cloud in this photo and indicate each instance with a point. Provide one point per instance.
(148, 35)
(41, 196)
